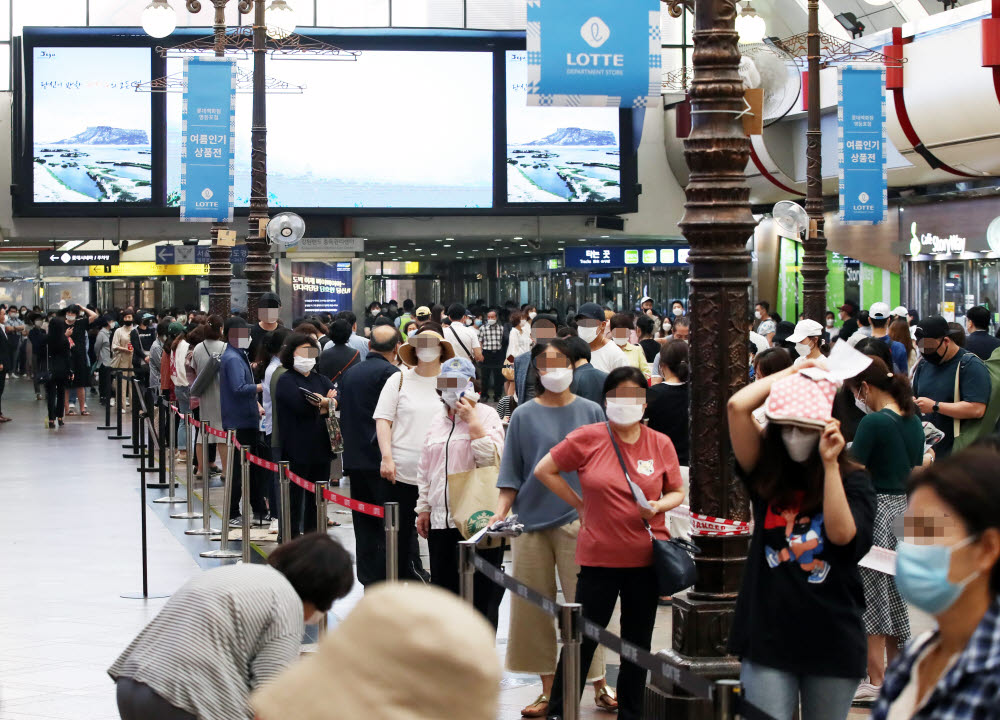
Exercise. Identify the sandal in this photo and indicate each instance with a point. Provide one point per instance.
(71, 411)
(85, 412)
(605, 699)
(541, 707)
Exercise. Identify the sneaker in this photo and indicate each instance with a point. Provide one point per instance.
(273, 529)
(421, 574)
(112, 402)
(38, 396)
(867, 692)
(236, 522)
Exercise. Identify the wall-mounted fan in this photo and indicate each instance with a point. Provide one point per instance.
(790, 218)
(286, 229)
(776, 72)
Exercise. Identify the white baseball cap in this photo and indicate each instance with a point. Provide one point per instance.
(804, 329)
(900, 312)
(879, 311)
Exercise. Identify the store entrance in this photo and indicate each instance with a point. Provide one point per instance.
(149, 293)
(421, 290)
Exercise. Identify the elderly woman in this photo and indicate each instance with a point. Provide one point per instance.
(461, 436)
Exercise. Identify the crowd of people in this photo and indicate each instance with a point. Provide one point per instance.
(573, 417)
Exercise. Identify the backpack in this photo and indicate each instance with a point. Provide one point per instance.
(207, 374)
(968, 431)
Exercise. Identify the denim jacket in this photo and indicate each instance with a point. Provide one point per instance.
(238, 391)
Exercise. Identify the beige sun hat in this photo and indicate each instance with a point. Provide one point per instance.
(408, 353)
(406, 652)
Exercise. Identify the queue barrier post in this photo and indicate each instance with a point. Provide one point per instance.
(391, 541)
(285, 519)
(321, 526)
(224, 552)
(206, 506)
(245, 494)
(190, 514)
(167, 447)
(570, 616)
(147, 435)
(726, 699)
(107, 416)
(118, 408)
(135, 439)
(466, 569)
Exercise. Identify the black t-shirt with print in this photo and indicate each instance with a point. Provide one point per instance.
(801, 604)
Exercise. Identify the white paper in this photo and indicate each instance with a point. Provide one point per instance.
(844, 362)
(639, 496)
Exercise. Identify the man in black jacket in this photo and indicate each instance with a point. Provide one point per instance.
(849, 314)
(359, 390)
(978, 339)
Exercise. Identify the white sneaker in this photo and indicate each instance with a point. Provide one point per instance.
(273, 529)
(867, 692)
(112, 402)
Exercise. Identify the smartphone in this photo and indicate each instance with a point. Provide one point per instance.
(311, 395)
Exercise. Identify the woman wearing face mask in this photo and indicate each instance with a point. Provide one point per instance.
(304, 398)
(55, 356)
(551, 525)
(808, 339)
(121, 356)
(462, 435)
(831, 320)
(404, 407)
(529, 311)
(947, 565)
(614, 549)
(813, 512)
(520, 335)
(622, 326)
(889, 442)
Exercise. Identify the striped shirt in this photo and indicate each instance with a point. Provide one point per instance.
(221, 636)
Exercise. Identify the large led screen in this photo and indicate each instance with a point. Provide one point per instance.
(395, 129)
(91, 129)
(558, 154)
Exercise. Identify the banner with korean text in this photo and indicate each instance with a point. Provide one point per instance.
(208, 128)
(861, 135)
(603, 53)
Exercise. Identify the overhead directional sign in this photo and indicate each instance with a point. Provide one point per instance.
(194, 254)
(78, 258)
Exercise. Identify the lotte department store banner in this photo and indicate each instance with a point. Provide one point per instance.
(602, 53)
(861, 135)
(208, 128)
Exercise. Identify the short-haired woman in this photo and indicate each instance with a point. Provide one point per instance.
(303, 399)
(229, 631)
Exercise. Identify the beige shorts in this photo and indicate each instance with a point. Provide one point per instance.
(538, 556)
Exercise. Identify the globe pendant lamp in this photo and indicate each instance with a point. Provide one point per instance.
(159, 19)
(279, 19)
(750, 26)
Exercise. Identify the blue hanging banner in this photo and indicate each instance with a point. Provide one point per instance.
(864, 196)
(594, 52)
(208, 129)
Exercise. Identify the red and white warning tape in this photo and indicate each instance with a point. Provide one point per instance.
(710, 525)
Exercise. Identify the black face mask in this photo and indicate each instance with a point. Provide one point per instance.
(932, 356)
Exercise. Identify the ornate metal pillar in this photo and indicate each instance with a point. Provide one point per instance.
(717, 223)
(259, 266)
(220, 272)
(814, 248)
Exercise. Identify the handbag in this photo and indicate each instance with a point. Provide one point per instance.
(336, 436)
(672, 561)
(204, 380)
(45, 376)
(474, 497)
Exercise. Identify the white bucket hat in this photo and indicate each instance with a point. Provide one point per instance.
(406, 652)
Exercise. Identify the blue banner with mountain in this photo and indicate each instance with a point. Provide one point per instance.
(208, 128)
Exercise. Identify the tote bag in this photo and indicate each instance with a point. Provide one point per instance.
(472, 497)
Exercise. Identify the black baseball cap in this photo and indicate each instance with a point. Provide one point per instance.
(269, 300)
(590, 310)
(782, 332)
(934, 327)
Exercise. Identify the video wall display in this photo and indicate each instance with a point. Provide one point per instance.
(416, 132)
(92, 129)
(558, 154)
(319, 287)
(418, 124)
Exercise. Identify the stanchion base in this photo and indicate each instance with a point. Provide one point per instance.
(187, 515)
(131, 456)
(171, 500)
(118, 437)
(157, 486)
(140, 596)
(222, 554)
(151, 470)
(106, 427)
(203, 531)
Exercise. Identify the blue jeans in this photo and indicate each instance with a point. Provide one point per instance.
(777, 692)
(183, 395)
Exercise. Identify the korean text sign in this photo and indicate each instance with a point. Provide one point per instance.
(208, 129)
(861, 131)
(319, 286)
(594, 52)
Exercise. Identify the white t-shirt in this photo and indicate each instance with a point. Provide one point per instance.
(608, 357)
(179, 375)
(410, 411)
(468, 335)
(759, 341)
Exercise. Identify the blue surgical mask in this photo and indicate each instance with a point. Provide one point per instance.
(922, 575)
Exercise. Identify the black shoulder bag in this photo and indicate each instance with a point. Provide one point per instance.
(675, 568)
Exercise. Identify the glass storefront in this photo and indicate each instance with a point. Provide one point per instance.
(950, 287)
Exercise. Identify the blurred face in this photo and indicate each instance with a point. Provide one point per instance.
(931, 521)
(626, 404)
(268, 315)
(306, 350)
(543, 331)
(551, 360)
(682, 332)
(239, 338)
(620, 336)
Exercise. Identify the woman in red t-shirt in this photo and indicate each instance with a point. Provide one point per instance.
(613, 549)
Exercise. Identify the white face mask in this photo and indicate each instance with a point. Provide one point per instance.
(70, 319)
(756, 314)
(666, 327)
(622, 414)
(799, 442)
(491, 321)
(451, 396)
(678, 312)
(468, 321)
(829, 322)
(587, 334)
(243, 343)
(557, 379)
(802, 349)
(620, 341)
(862, 405)
(303, 364)
(429, 354)
(532, 315)
(38, 323)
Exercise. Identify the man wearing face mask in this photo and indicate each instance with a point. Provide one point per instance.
(241, 412)
(491, 341)
(121, 354)
(268, 310)
(591, 326)
(934, 382)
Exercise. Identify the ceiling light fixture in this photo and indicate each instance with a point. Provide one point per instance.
(750, 26)
(159, 19)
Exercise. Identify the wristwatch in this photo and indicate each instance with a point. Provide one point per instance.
(936, 407)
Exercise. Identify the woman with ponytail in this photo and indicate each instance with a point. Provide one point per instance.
(667, 408)
(889, 442)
